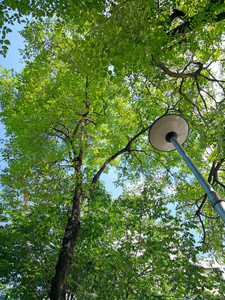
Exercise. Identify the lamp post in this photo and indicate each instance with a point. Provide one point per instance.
(170, 132)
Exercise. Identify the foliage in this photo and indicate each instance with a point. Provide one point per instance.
(93, 83)
(131, 247)
(19, 11)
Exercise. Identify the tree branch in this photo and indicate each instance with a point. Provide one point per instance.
(220, 183)
(213, 176)
(199, 92)
(187, 99)
(203, 229)
(212, 79)
(177, 74)
(62, 132)
(191, 22)
(125, 149)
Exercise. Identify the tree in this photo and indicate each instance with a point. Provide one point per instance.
(172, 16)
(30, 241)
(76, 130)
(127, 248)
(84, 102)
(135, 248)
(17, 11)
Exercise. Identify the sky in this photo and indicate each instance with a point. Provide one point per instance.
(13, 61)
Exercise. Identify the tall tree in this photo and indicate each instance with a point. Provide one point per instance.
(68, 125)
(90, 90)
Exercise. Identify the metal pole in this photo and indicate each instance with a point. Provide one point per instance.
(217, 202)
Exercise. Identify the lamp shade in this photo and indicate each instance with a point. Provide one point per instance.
(164, 125)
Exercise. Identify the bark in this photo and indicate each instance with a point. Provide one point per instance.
(177, 74)
(190, 23)
(58, 286)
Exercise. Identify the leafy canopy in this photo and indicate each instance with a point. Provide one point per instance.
(92, 86)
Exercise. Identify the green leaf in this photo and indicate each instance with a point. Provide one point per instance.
(7, 42)
(39, 13)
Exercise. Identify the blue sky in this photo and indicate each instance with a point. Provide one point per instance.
(12, 61)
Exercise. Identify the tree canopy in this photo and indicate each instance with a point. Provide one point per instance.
(94, 82)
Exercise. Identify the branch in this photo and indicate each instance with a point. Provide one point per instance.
(220, 183)
(149, 268)
(209, 95)
(220, 17)
(125, 149)
(86, 94)
(211, 174)
(60, 131)
(203, 228)
(113, 288)
(199, 92)
(212, 79)
(209, 217)
(198, 212)
(176, 14)
(58, 136)
(149, 155)
(192, 22)
(187, 99)
(178, 75)
(90, 120)
(219, 164)
(84, 116)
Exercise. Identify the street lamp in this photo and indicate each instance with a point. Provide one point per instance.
(170, 132)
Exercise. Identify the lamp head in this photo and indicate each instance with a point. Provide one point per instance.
(164, 128)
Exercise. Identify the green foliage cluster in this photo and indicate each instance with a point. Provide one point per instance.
(131, 247)
(96, 75)
(136, 249)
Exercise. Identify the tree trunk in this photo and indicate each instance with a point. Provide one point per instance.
(58, 286)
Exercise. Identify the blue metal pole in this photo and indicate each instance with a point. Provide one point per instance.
(217, 202)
